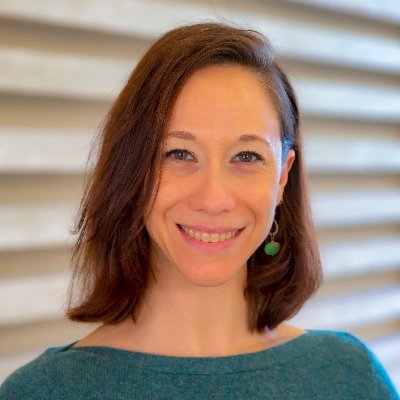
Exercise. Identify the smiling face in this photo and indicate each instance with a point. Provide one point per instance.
(221, 169)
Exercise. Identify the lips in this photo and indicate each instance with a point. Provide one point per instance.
(206, 229)
(209, 246)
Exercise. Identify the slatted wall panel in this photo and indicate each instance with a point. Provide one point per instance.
(61, 65)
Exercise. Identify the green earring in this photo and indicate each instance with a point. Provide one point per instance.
(272, 248)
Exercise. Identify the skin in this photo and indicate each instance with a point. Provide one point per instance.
(196, 307)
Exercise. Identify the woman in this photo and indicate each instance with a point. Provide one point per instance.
(196, 242)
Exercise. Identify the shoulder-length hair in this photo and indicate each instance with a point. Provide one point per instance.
(111, 257)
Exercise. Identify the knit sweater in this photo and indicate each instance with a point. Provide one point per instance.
(319, 364)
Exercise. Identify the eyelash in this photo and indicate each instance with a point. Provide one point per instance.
(247, 152)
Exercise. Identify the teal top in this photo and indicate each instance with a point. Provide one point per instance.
(319, 364)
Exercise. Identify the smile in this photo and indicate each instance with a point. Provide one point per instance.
(208, 237)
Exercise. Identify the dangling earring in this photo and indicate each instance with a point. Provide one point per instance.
(272, 248)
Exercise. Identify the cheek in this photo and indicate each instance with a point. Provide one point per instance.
(169, 188)
(260, 199)
(262, 187)
(168, 193)
(260, 195)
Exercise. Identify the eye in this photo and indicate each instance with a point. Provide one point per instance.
(246, 156)
(180, 154)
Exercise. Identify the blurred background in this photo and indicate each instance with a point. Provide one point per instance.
(62, 64)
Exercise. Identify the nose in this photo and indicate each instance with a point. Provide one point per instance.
(213, 191)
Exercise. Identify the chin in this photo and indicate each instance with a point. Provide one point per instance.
(211, 276)
(208, 282)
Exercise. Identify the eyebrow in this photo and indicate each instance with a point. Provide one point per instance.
(243, 138)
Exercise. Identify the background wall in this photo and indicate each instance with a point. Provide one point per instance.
(63, 62)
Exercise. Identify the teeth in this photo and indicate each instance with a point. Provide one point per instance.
(209, 237)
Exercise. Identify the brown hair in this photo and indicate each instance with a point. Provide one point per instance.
(111, 257)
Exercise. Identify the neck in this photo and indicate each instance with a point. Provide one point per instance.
(194, 321)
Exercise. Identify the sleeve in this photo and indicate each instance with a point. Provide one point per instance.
(381, 386)
(27, 382)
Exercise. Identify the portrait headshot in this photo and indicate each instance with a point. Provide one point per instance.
(196, 246)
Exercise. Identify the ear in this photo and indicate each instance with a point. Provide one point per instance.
(291, 155)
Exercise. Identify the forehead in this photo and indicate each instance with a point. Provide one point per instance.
(225, 98)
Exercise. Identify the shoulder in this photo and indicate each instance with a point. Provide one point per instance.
(338, 340)
(65, 372)
(27, 382)
(33, 380)
(348, 355)
(341, 346)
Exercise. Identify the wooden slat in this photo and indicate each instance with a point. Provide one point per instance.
(87, 78)
(29, 189)
(152, 18)
(37, 151)
(352, 208)
(346, 311)
(42, 333)
(388, 350)
(352, 155)
(24, 111)
(372, 333)
(35, 226)
(35, 72)
(32, 298)
(348, 258)
(336, 99)
(358, 283)
(333, 128)
(15, 264)
(387, 10)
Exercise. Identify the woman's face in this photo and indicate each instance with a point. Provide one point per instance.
(221, 169)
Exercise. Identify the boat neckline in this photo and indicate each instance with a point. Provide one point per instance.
(279, 355)
(287, 348)
(70, 347)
